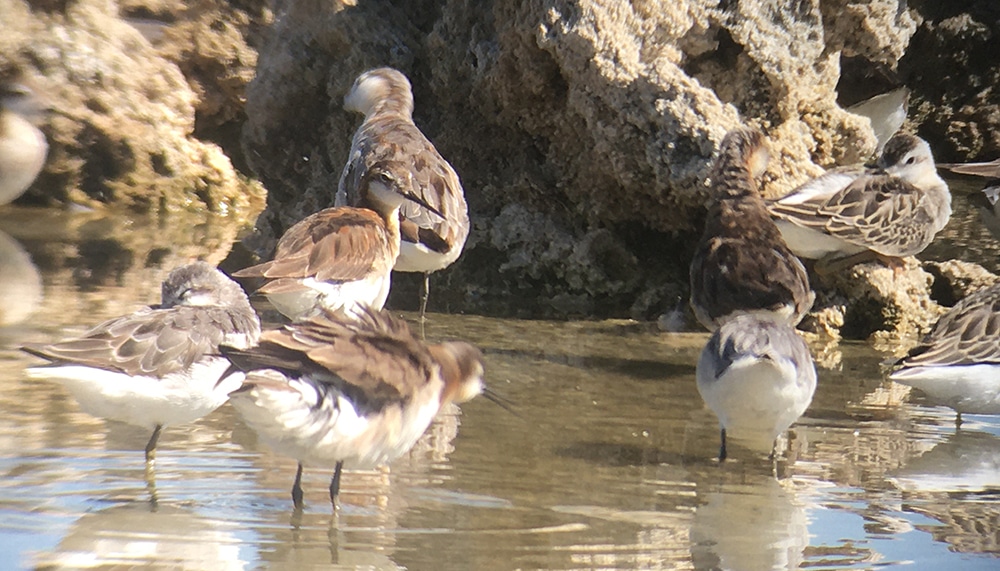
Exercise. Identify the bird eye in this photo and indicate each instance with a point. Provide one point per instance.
(911, 160)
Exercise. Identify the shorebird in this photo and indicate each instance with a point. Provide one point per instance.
(332, 390)
(958, 363)
(850, 214)
(340, 257)
(389, 140)
(989, 169)
(161, 365)
(986, 201)
(22, 145)
(887, 113)
(741, 264)
(757, 376)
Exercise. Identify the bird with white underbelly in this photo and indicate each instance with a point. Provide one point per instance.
(388, 139)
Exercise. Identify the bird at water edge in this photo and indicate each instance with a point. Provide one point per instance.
(161, 365)
(758, 377)
(958, 363)
(388, 139)
(340, 257)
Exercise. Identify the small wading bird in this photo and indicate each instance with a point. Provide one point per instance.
(986, 202)
(854, 214)
(887, 113)
(741, 264)
(22, 146)
(331, 390)
(958, 363)
(757, 376)
(990, 169)
(388, 140)
(337, 258)
(161, 365)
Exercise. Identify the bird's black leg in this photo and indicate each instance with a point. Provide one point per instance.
(722, 447)
(151, 445)
(297, 488)
(335, 484)
(424, 294)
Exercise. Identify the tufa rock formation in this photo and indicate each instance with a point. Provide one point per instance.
(582, 131)
(123, 115)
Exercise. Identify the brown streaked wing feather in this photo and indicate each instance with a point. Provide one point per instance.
(152, 343)
(395, 145)
(879, 212)
(743, 264)
(374, 357)
(821, 189)
(439, 186)
(968, 334)
(763, 279)
(335, 244)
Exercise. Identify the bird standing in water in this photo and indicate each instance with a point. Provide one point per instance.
(432, 238)
(161, 365)
(958, 363)
(758, 377)
(332, 390)
(340, 257)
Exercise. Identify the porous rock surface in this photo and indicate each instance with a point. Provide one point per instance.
(583, 131)
(953, 70)
(874, 301)
(123, 115)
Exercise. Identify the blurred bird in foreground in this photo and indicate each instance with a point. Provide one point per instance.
(332, 391)
(22, 145)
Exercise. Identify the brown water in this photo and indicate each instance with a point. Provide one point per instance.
(609, 465)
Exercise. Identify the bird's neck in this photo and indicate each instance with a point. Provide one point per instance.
(394, 104)
(741, 216)
(734, 181)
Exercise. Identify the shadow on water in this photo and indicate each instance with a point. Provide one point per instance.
(645, 369)
(618, 455)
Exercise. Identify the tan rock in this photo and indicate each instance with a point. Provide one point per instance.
(120, 132)
(882, 304)
(587, 115)
(955, 279)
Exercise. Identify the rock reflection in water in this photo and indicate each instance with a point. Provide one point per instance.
(965, 461)
(20, 282)
(101, 264)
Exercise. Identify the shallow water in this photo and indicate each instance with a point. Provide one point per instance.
(608, 465)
